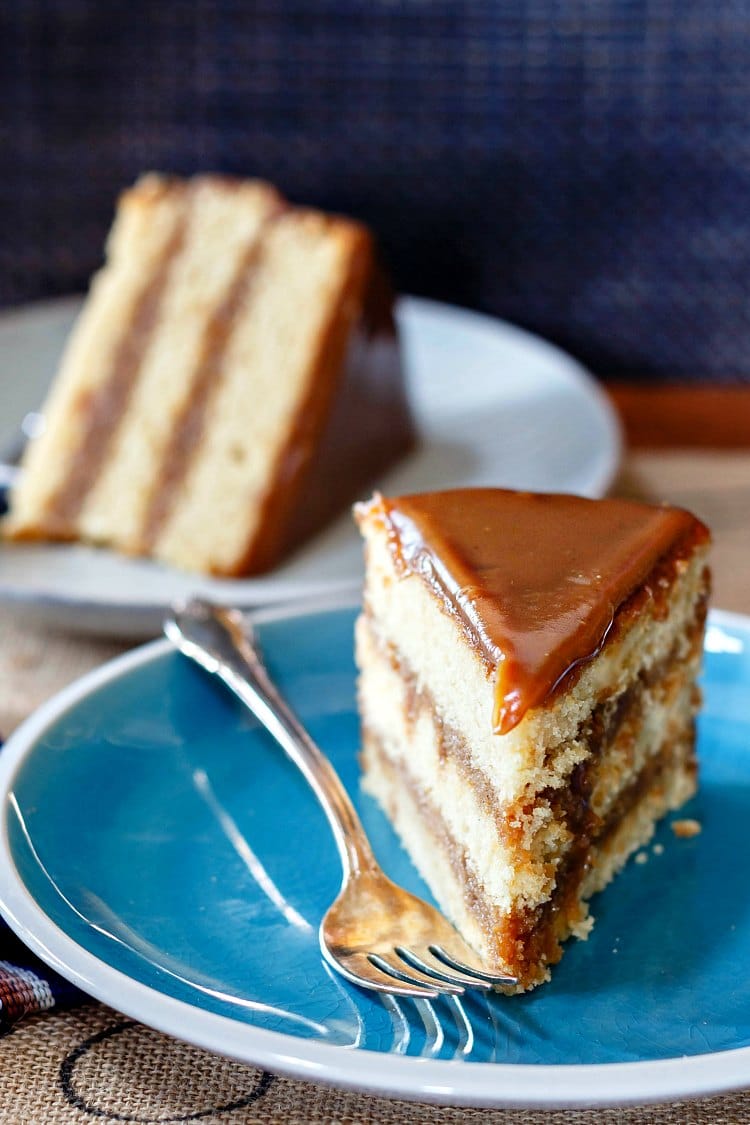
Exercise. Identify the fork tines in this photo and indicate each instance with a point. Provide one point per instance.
(426, 973)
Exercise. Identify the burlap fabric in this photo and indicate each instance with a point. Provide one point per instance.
(95, 1064)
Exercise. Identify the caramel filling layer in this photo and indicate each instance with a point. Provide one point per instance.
(104, 408)
(571, 802)
(189, 427)
(527, 940)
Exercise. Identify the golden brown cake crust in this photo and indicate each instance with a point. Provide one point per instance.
(335, 449)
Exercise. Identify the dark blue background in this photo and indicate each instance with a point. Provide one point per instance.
(580, 167)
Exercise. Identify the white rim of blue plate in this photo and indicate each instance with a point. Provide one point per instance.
(446, 1082)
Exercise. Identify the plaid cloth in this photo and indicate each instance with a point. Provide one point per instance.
(27, 985)
(578, 166)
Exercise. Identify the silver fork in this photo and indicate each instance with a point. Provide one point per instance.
(375, 934)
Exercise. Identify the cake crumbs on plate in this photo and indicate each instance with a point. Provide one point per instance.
(658, 849)
(641, 857)
(687, 828)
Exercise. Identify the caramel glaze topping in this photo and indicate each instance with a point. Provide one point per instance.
(535, 581)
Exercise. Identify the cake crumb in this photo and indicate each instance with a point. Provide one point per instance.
(687, 828)
(582, 929)
(658, 849)
(641, 857)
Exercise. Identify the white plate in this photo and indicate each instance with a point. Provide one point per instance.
(494, 406)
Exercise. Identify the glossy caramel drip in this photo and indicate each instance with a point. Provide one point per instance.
(535, 581)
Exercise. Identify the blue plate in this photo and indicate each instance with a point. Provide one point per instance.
(162, 853)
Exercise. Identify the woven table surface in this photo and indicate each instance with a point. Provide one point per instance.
(92, 1063)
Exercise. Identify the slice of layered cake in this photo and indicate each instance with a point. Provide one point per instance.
(527, 691)
(232, 381)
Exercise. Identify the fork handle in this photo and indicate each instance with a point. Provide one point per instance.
(218, 640)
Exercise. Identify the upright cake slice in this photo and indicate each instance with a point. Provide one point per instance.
(232, 381)
(527, 692)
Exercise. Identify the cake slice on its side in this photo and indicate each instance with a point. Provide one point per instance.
(527, 692)
(233, 381)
